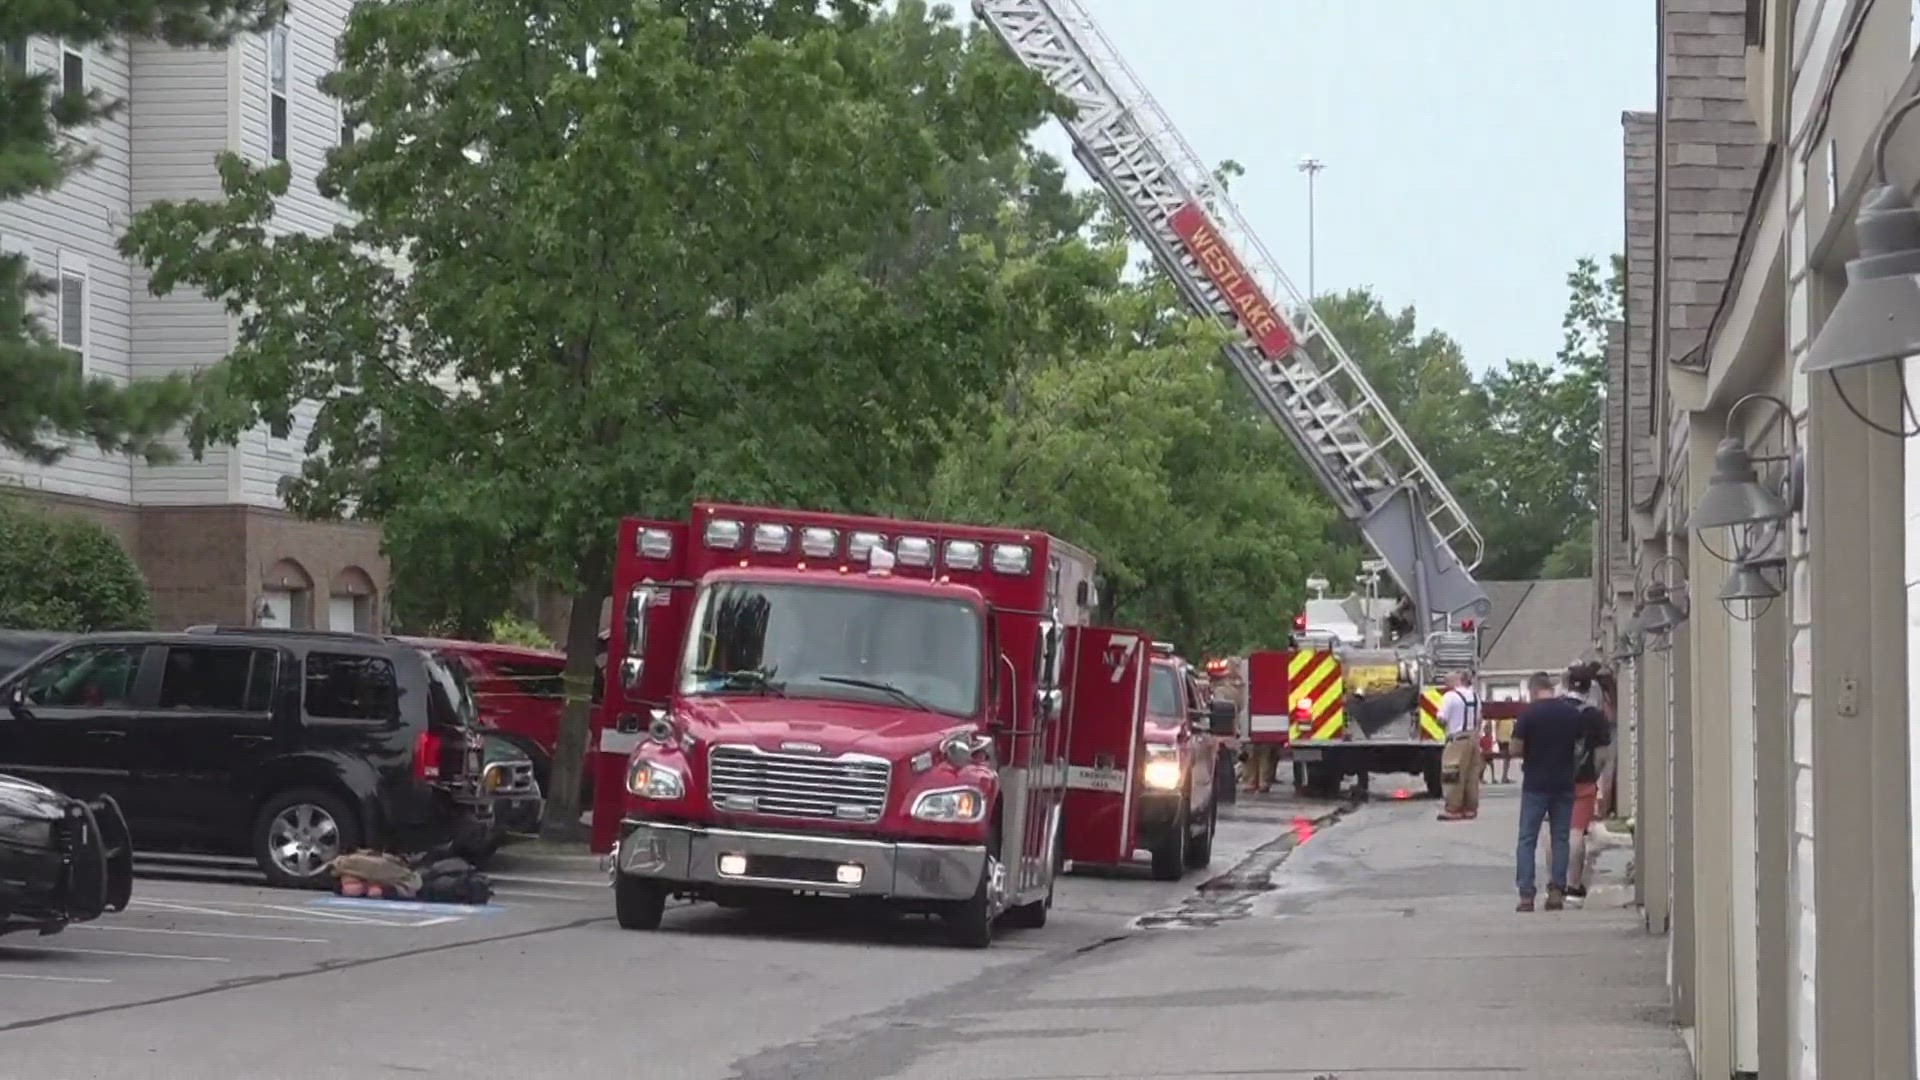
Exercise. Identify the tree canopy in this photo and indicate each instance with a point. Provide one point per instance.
(605, 257)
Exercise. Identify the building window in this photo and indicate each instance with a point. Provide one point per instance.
(73, 314)
(1757, 23)
(73, 72)
(347, 133)
(277, 92)
(13, 56)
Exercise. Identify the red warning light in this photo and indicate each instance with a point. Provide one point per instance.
(1402, 793)
(1467, 625)
(1299, 624)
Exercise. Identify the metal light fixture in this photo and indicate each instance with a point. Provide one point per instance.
(1736, 500)
(1659, 612)
(1748, 585)
(1627, 645)
(1877, 318)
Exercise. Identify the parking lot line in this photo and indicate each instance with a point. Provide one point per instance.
(274, 913)
(203, 933)
(53, 978)
(122, 952)
(571, 883)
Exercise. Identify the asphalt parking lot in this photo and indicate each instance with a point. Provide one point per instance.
(179, 938)
(202, 977)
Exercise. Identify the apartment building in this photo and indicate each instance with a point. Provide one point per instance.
(212, 534)
(1766, 667)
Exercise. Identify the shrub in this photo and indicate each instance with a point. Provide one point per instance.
(66, 574)
(512, 630)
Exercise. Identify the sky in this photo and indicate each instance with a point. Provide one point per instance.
(1472, 147)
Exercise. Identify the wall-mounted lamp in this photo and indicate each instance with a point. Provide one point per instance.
(1749, 585)
(1627, 645)
(1877, 318)
(1736, 500)
(262, 613)
(1659, 612)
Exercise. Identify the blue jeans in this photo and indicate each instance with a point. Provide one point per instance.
(1556, 810)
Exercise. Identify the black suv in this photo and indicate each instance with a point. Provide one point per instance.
(285, 745)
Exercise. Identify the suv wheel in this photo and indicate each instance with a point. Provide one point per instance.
(298, 832)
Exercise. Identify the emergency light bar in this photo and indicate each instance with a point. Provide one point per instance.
(1163, 648)
(771, 539)
(822, 542)
(914, 550)
(861, 545)
(654, 543)
(817, 542)
(963, 555)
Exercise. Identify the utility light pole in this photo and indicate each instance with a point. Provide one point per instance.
(1311, 166)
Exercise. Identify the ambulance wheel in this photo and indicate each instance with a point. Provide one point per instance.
(970, 922)
(1170, 854)
(1436, 788)
(638, 903)
(1200, 850)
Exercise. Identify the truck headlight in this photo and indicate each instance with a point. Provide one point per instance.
(1163, 768)
(651, 780)
(951, 805)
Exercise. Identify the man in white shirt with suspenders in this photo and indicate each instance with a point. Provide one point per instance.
(1460, 761)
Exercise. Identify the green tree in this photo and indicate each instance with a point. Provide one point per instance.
(47, 401)
(606, 256)
(1535, 489)
(1139, 446)
(66, 574)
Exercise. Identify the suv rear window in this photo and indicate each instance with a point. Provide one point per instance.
(341, 686)
(449, 694)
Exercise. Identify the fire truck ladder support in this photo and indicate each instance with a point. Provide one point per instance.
(1322, 403)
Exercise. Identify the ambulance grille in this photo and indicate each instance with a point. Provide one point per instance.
(748, 780)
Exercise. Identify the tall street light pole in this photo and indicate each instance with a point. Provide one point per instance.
(1311, 166)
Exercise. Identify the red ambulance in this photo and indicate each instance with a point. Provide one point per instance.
(814, 704)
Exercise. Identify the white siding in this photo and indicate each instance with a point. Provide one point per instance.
(1803, 1038)
(180, 127)
(1912, 506)
(313, 129)
(1744, 923)
(78, 226)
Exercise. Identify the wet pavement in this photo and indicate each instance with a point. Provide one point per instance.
(1316, 943)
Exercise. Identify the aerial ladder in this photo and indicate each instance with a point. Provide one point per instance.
(1297, 371)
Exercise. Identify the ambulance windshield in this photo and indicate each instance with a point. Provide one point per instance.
(835, 641)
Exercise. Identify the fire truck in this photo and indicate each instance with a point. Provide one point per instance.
(1347, 700)
(828, 705)
(1297, 371)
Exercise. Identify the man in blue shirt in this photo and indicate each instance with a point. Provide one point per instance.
(1550, 739)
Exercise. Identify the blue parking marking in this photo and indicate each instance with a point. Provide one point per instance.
(401, 907)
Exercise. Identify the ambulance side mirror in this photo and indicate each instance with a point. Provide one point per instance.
(1223, 718)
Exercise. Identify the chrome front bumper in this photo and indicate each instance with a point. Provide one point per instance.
(689, 855)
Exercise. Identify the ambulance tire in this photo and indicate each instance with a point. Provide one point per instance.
(1034, 916)
(1170, 854)
(970, 922)
(638, 903)
(1200, 850)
